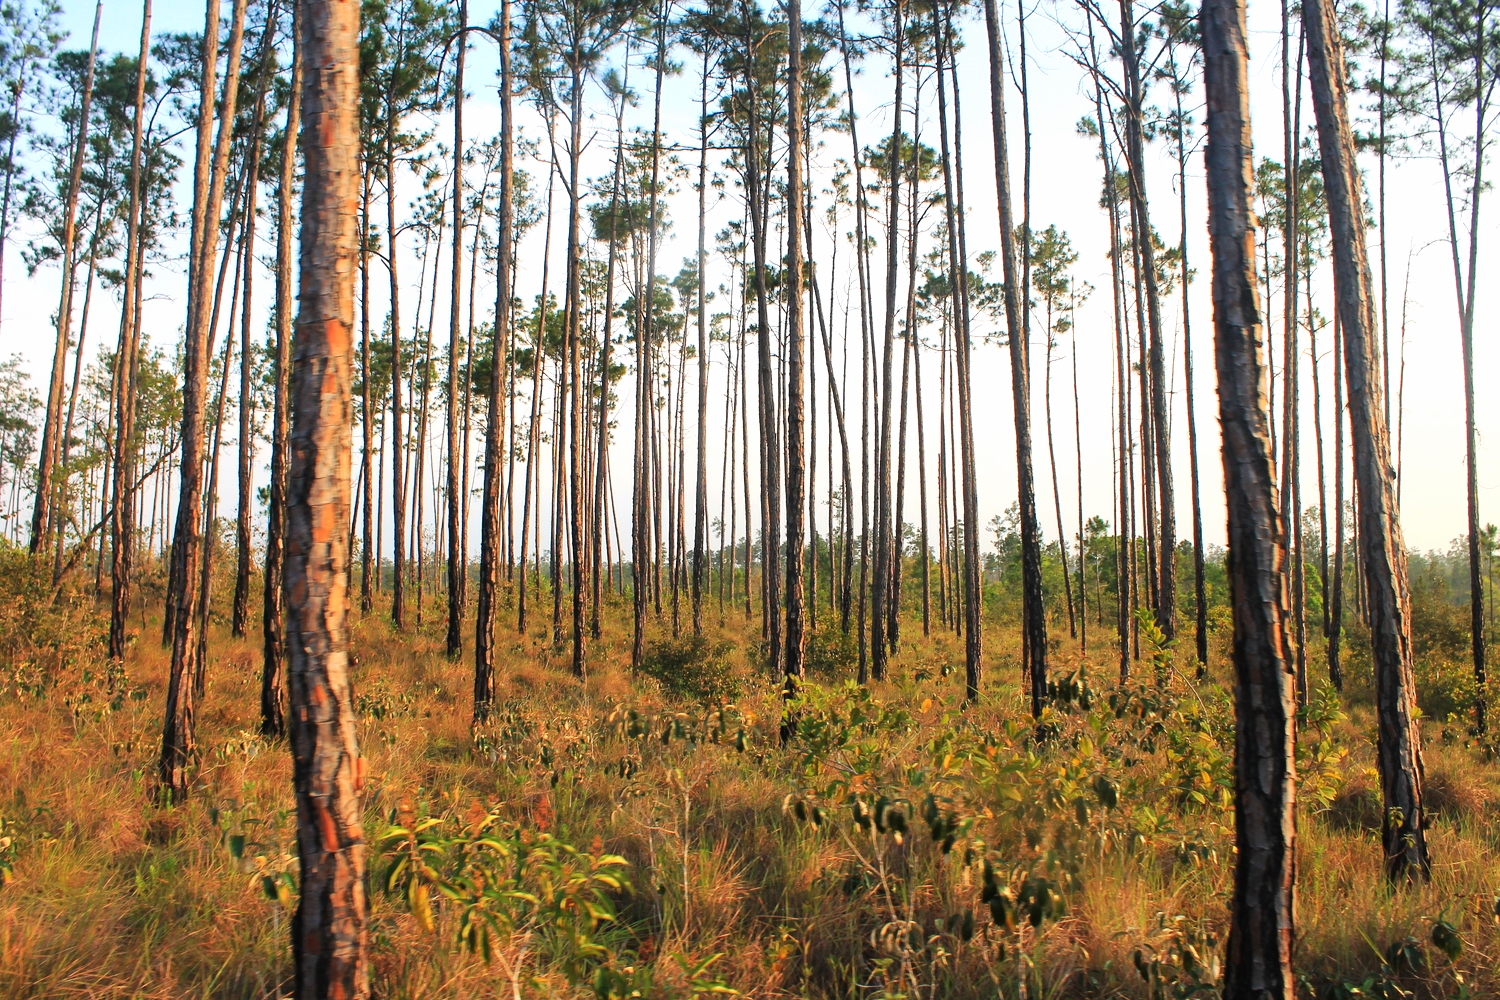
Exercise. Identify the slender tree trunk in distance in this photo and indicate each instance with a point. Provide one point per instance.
(241, 612)
(1062, 534)
(455, 636)
(489, 543)
(770, 444)
(179, 719)
(1398, 743)
(1035, 624)
(573, 394)
(533, 441)
(398, 453)
(127, 369)
(1465, 297)
(958, 273)
(1166, 544)
(1083, 546)
(884, 545)
(45, 519)
(1262, 909)
(1200, 587)
(601, 465)
(1336, 600)
(330, 931)
(796, 464)
(370, 545)
(700, 505)
(273, 611)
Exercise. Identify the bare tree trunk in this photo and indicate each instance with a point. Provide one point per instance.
(770, 444)
(370, 545)
(1398, 744)
(65, 439)
(1291, 109)
(1200, 587)
(1083, 545)
(211, 490)
(1464, 287)
(44, 519)
(178, 742)
(127, 368)
(533, 438)
(958, 275)
(398, 450)
(1262, 910)
(601, 471)
(273, 612)
(573, 391)
(1124, 542)
(926, 554)
(455, 636)
(796, 464)
(700, 517)
(1336, 599)
(1035, 624)
(1166, 543)
(330, 931)
(489, 543)
(879, 588)
(241, 612)
(836, 397)
(1062, 534)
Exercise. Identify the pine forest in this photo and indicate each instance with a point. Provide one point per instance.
(843, 500)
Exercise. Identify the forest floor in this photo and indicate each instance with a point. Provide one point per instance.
(658, 840)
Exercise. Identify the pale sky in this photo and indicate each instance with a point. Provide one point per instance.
(1066, 184)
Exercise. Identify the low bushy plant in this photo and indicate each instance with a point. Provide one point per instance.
(692, 668)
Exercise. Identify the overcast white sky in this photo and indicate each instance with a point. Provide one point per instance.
(1066, 183)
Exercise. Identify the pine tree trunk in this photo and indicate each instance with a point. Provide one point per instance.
(1262, 909)
(884, 543)
(178, 742)
(534, 432)
(1200, 587)
(456, 465)
(1124, 542)
(770, 438)
(241, 612)
(369, 544)
(330, 931)
(1336, 597)
(573, 393)
(273, 611)
(1035, 623)
(45, 519)
(796, 461)
(1166, 542)
(700, 506)
(601, 464)
(494, 438)
(127, 368)
(398, 448)
(958, 272)
(1062, 534)
(1398, 743)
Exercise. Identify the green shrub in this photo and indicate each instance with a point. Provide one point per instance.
(1445, 689)
(46, 632)
(692, 667)
(831, 653)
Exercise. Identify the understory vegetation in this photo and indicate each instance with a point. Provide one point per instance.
(652, 836)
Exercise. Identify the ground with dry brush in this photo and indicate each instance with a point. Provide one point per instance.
(897, 847)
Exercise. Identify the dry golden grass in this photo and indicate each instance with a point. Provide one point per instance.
(115, 896)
